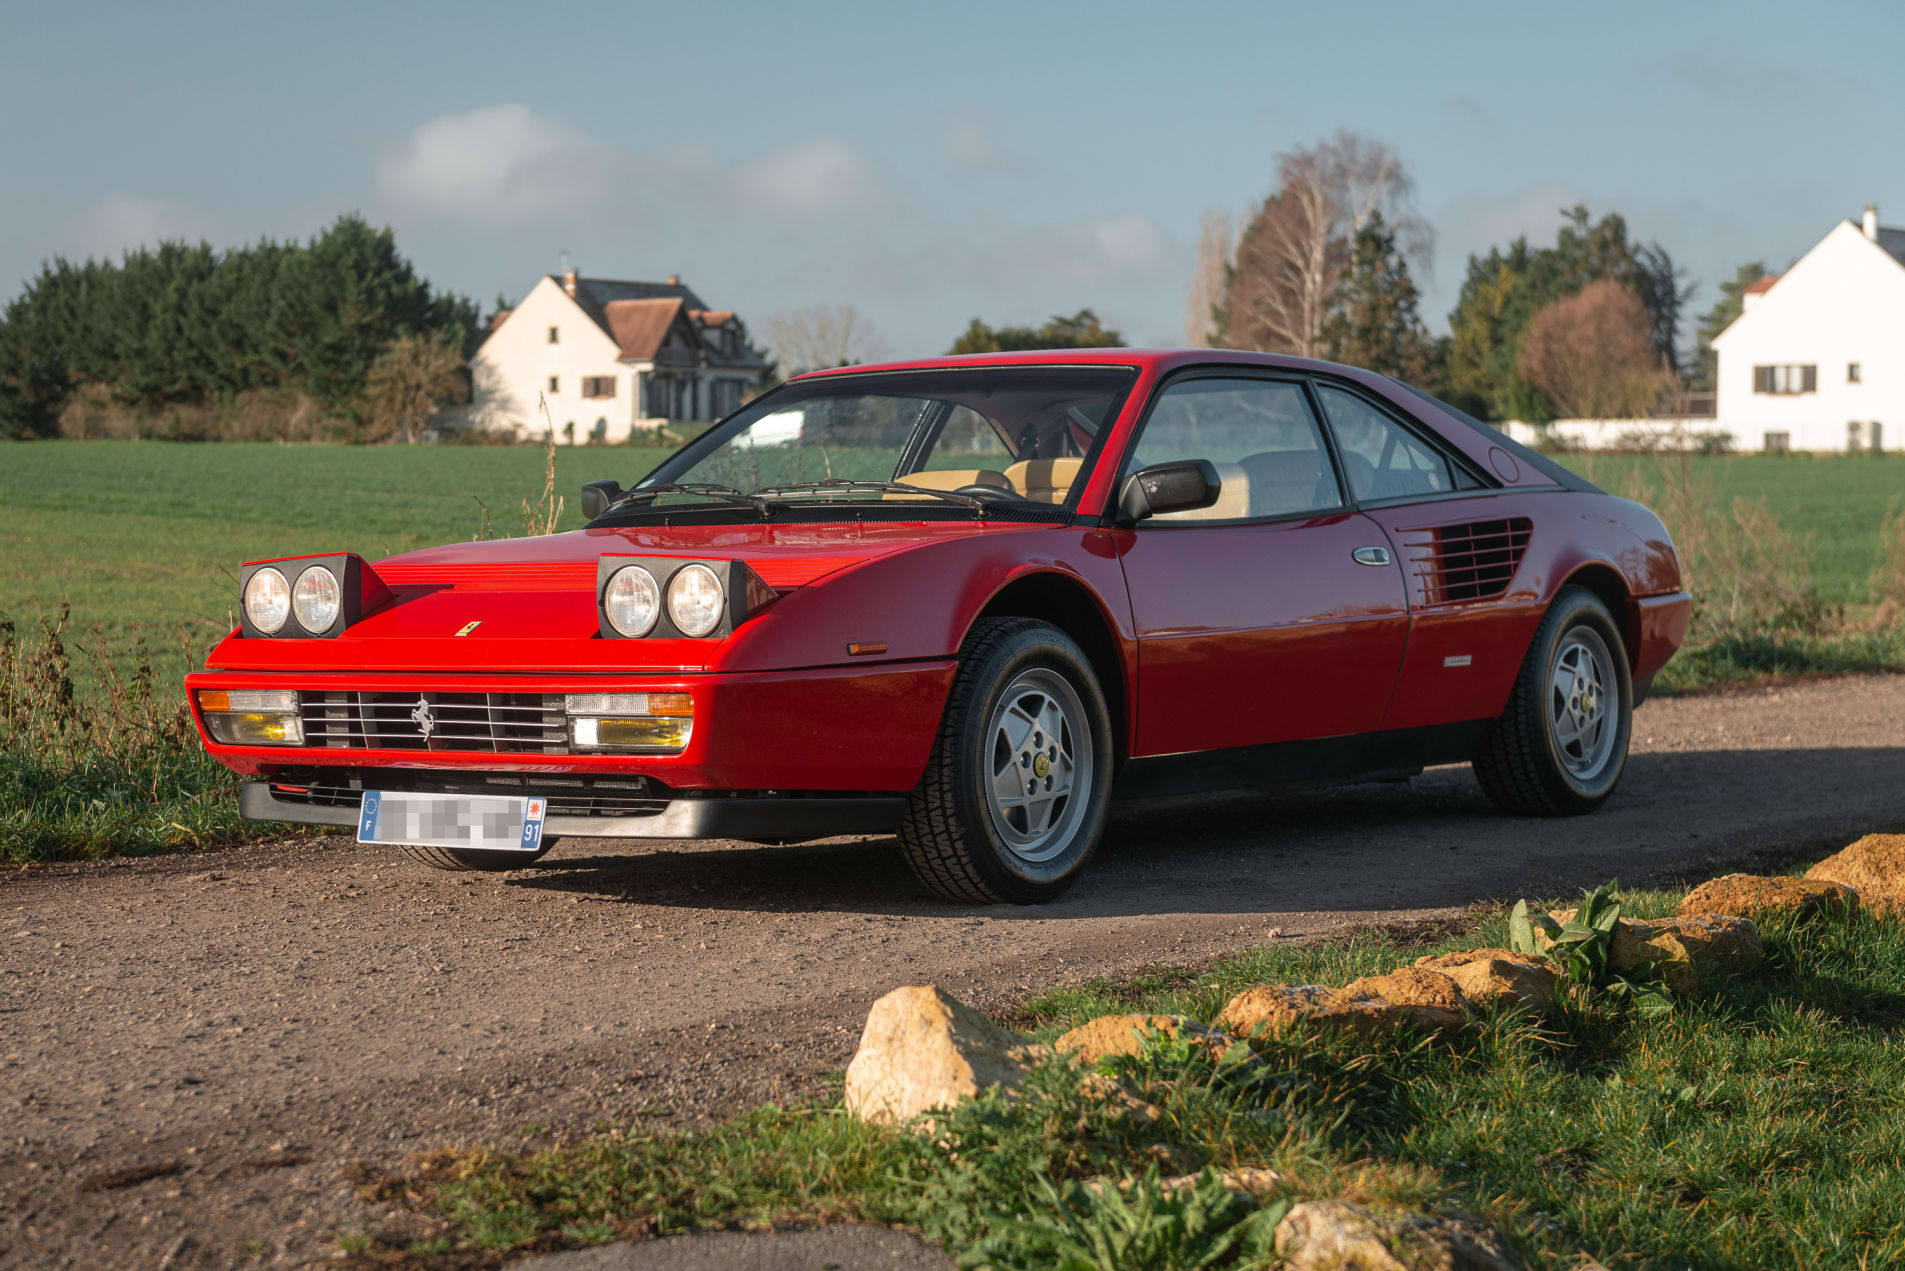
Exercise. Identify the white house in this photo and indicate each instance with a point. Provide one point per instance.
(610, 357)
(1816, 359)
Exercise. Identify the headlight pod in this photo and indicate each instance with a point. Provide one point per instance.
(631, 602)
(694, 599)
(307, 596)
(267, 600)
(317, 599)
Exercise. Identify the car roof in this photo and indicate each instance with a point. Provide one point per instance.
(1158, 360)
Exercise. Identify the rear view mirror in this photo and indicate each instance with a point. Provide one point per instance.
(1169, 487)
(597, 495)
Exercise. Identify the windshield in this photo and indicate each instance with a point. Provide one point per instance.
(994, 441)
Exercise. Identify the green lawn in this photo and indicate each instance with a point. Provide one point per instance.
(1758, 1124)
(1835, 504)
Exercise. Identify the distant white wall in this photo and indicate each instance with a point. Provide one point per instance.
(1607, 434)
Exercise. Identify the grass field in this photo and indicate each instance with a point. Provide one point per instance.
(1759, 1124)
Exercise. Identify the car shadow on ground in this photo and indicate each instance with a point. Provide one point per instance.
(1429, 843)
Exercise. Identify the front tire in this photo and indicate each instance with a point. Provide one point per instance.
(1561, 745)
(1016, 790)
(463, 859)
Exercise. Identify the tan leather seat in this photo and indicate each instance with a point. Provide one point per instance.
(1044, 480)
(1233, 498)
(954, 478)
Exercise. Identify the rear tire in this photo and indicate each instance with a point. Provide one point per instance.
(1016, 790)
(1561, 745)
(462, 859)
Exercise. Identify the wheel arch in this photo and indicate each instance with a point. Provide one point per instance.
(1065, 601)
(1608, 586)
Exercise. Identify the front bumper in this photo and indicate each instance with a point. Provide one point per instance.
(757, 819)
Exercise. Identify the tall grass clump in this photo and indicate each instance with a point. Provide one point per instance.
(114, 770)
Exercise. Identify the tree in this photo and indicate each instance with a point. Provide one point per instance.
(1374, 322)
(1081, 330)
(819, 336)
(1294, 252)
(414, 378)
(1593, 354)
(1730, 305)
(1210, 277)
(1505, 289)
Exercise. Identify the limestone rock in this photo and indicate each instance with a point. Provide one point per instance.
(1756, 895)
(1429, 1000)
(1332, 1235)
(1270, 1009)
(1498, 977)
(1681, 948)
(924, 1049)
(1109, 1035)
(1875, 868)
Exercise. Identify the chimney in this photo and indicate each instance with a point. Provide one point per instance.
(674, 280)
(1872, 221)
(568, 280)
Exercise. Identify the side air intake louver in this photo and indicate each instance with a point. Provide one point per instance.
(1475, 560)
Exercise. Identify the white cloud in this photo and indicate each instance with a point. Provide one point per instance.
(816, 177)
(122, 221)
(1116, 249)
(498, 164)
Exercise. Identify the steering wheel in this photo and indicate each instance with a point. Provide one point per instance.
(985, 492)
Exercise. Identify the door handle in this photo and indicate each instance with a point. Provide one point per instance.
(1376, 556)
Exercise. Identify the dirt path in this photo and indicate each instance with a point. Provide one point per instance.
(237, 1027)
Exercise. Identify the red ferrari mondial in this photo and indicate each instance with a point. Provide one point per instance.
(972, 601)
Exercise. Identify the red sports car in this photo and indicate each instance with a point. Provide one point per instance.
(971, 600)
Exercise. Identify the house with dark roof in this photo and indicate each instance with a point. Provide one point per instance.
(608, 358)
(1816, 359)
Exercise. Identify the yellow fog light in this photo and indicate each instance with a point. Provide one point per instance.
(650, 733)
(255, 728)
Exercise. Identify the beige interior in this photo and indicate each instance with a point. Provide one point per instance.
(1044, 480)
(1233, 498)
(954, 478)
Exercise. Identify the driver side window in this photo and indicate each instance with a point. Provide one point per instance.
(1260, 434)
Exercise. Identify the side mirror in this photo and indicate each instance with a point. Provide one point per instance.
(1169, 487)
(597, 495)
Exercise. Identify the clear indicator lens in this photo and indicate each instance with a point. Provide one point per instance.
(629, 704)
(267, 601)
(695, 600)
(632, 601)
(247, 699)
(317, 599)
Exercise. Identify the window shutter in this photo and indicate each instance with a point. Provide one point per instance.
(1762, 379)
(1812, 380)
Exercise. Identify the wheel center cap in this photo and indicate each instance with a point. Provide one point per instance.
(1041, 766)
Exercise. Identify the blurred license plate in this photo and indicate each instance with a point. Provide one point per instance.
(487, 822)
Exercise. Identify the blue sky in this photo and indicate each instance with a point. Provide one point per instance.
(928, 163)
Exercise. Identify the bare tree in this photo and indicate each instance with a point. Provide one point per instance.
(1207, 278)
(1293, 253)
(1592, 354)
(416, 376)
(818, 336)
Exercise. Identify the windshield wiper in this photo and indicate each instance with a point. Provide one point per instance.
(703, 489)
(886, 487)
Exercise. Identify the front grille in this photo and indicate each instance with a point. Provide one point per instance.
(1475, 560)
(568, 794)
(518, 723)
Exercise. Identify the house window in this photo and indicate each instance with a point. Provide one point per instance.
(555, 384)
(1778, 443)
(554, 336)
(598, 386)
(1854, 435)
(727, 397)
(1852, 373)
(1878, 436)
(1786, 380)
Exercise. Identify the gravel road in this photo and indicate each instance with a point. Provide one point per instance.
(193, 1047)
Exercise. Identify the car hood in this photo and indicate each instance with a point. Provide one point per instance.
(785, 556)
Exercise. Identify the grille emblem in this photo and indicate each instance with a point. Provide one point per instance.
(426, 722)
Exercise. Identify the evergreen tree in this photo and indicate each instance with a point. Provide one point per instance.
(1081, 330)
(1374, 322)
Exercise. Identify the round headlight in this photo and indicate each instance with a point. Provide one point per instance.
(316, 599)
(694, 600)
(267, 601)
(632, 601)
